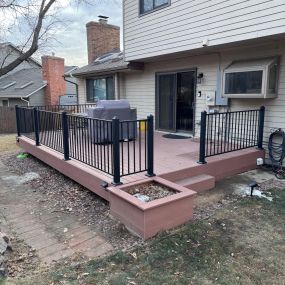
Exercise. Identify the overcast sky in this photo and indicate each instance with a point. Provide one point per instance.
(68, 40)
(72, 37)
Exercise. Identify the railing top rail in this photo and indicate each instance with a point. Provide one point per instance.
(233, 112)
(87, 117)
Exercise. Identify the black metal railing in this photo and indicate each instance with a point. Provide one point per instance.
(79, 109)
(230, 131)
(118, 148)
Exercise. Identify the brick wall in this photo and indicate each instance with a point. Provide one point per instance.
(101, 38)
(53, 71)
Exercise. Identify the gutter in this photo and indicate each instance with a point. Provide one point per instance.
(74, 83)
(26, 101)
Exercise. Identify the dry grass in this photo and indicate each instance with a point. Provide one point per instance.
(8, 143)
(243, 244)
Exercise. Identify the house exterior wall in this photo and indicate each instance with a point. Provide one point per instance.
(139, 88)
(81, 90)
(38, 98)
(185, 24)
(7, 55)
(70, 88)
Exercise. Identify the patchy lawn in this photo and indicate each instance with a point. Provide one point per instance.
(8, 143)
(243, 243)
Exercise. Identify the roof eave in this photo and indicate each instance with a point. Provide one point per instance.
(131, 66)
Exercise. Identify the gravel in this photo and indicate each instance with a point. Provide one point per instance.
(60, 194)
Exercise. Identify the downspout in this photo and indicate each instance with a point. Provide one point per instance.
(76, 86)
(26, 101)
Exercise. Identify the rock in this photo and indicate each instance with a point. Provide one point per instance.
(4, 243)
(2, 272)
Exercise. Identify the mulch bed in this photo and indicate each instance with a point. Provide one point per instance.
(153, 190)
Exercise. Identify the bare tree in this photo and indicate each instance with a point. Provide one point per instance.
(35, 19)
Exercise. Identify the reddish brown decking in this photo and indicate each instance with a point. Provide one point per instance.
(175, 160)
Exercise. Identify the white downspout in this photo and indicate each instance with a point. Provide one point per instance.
(27, 101)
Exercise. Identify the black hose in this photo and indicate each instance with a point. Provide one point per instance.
(277, 153)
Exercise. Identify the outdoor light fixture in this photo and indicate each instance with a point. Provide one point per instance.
(200, 78)
(252, 186)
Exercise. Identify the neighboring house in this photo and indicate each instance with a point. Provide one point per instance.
(32, 83)
(22, 87)
(209, 55)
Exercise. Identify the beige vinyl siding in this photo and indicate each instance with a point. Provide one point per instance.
(140, 88)
(81, 90)
(185, 24)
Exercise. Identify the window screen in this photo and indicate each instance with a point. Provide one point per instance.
(249, 82)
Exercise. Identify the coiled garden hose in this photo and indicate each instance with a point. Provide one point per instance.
(277, 152)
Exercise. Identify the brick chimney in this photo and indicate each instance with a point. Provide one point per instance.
(101, 38)
(53, 71)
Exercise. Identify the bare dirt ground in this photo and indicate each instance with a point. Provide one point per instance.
(51, 193)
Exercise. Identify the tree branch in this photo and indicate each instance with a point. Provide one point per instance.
(36, 34)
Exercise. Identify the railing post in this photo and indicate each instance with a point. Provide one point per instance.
(18, 121)
(150, 146)
(203, 128)
(36, 126)
(65, 134)
(116, 151)
(261, 127)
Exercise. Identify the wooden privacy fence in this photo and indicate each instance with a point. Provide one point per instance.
(7, 120)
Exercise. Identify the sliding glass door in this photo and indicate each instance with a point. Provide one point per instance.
(175, 98)
(166, 101)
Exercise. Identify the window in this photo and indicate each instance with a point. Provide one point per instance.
(100, 89)
(150, 5)
(251, 79)
(249, 82)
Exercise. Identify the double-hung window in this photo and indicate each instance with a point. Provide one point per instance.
(100, 89)
(151, 5)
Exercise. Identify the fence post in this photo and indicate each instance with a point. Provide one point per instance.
(203, 128)
(36, 126)
(65, 134)
(116, 151)
(18, 121)
(261, 127)
(150, 147)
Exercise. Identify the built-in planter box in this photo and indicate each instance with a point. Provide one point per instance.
(146, 219)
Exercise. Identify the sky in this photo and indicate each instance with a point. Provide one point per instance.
(71, 41)
(68, 40)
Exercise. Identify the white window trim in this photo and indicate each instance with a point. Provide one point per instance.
(265, 81)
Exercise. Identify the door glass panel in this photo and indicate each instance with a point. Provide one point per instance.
(166, 101)
(185, 101)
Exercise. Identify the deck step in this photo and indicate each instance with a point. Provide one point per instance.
(199, 183)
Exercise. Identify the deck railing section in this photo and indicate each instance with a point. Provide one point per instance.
(230, 131)
(118, 148)
(79, 109)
